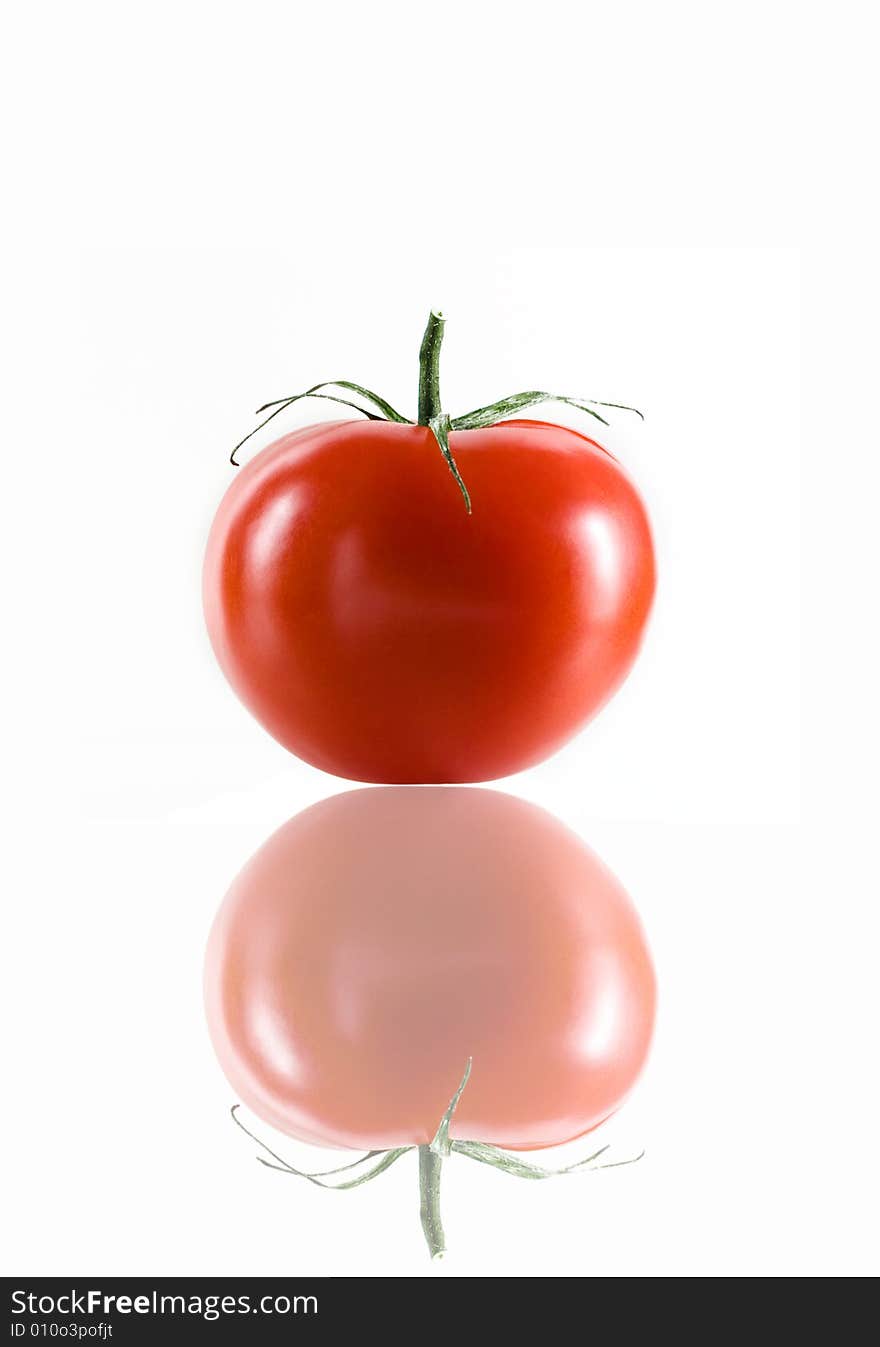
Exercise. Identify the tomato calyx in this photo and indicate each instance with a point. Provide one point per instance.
(431, 1157)
(430, 411)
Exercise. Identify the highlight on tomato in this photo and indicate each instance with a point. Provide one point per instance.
(442, 600)
(442, 971)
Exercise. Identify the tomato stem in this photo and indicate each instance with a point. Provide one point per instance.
(431, 1159)
(430, 1167)
(429, 369)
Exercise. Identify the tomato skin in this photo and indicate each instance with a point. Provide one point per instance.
(383, 936)
(383, 634)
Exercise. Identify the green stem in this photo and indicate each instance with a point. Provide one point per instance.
(429, 369)
(430, 1165)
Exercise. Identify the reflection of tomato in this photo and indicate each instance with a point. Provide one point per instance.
(384, 634)
(382, 937)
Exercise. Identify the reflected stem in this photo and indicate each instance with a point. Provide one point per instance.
(430, 1168)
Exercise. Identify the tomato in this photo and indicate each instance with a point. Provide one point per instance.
(383, 633)
(384, 936)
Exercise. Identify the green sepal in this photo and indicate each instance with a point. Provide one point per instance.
(386, 411)
(388, 1158)
(517, 402)
(441, 1145)
(439, 426)
(524, 1169)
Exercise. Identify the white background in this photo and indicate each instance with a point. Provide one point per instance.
(210, 211)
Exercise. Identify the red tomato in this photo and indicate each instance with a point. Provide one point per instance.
(382, 633)
(381, 938)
